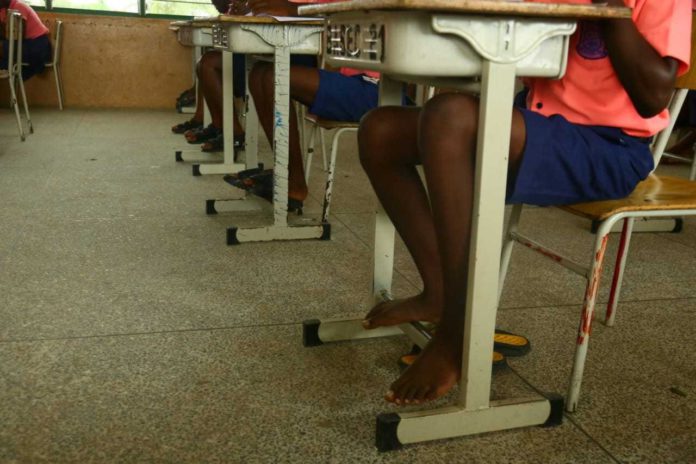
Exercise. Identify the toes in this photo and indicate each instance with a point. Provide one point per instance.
(379, 308)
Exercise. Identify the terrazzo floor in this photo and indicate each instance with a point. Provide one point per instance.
(130, 332)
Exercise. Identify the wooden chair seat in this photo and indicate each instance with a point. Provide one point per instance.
(654, 193)
(329, 124)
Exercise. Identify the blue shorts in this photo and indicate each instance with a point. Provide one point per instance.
(566, 163)
(344, 98)
(239, 70)
(35, 54)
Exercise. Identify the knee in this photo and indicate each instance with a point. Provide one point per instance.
(447, 118)
(377, 132)
(209, 61)
(450, 112)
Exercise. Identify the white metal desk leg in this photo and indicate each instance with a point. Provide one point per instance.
(251, 124)
(281, 136)
(390, 93)
(281, 132)
(475, 413)
(495, 118)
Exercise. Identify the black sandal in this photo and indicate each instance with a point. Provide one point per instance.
(186, 126)
(214, 145)
(202, 134)
(218, 144)
(237, 177)
(261, 185)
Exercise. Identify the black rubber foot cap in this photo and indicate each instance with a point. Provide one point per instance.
(210, 207)
(325, 231)
(386, 438)
(556, 415)
(310, 333)
(178, 157)
(196, 169)
(232, 236)
(678, 225)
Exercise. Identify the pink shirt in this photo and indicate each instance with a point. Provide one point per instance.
(34, 27)
(590, 93)
(346, 71)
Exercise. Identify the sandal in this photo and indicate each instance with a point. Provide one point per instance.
(408, 359)
(235, 178)
(215, 144)
(218, 143)
(510, 344)
(261, 185)
(202, 134)
(186, 126)
(504, 342)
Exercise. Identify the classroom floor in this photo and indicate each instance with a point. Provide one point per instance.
(129, 331)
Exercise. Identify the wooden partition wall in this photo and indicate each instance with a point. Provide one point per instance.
(113, 62)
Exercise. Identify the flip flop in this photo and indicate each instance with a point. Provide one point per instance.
(233, 179)
(261, 185)
(202, 134)
(217, 143)
(510, 344)
(408, 359)
(186, 126)
(504, 342)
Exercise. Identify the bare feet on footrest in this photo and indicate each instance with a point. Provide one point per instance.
(395, 312)
(430, 377)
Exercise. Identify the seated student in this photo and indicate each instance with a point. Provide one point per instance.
(209, 72)
(584, 137)
(36, 47)
(341, 96)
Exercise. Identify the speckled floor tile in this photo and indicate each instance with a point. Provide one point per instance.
(81, 277)
(638, 393)
(245, 395)
(131, 333)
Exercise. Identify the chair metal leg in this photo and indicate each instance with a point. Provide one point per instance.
(59, 86)
(585, 327)
(26, 105)
(332, 170)
(508, 243)
(309, 152)
(15, 105)
(692, 173)
(322, 139)
(621, 256)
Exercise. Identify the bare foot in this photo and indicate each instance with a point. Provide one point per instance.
(430, 377)
(416, 308)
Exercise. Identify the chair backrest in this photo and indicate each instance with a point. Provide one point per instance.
(661, 139)
(57, 42)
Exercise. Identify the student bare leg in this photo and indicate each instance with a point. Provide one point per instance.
(447, 133)
(210, 81)
(389, 155)
(304, 82)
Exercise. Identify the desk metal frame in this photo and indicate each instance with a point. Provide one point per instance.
(264, 36)
(503, 43)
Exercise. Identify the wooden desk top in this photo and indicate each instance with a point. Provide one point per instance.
(268, 20)
(488, 7)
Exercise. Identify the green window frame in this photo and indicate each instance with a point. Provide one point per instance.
(166, 9)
